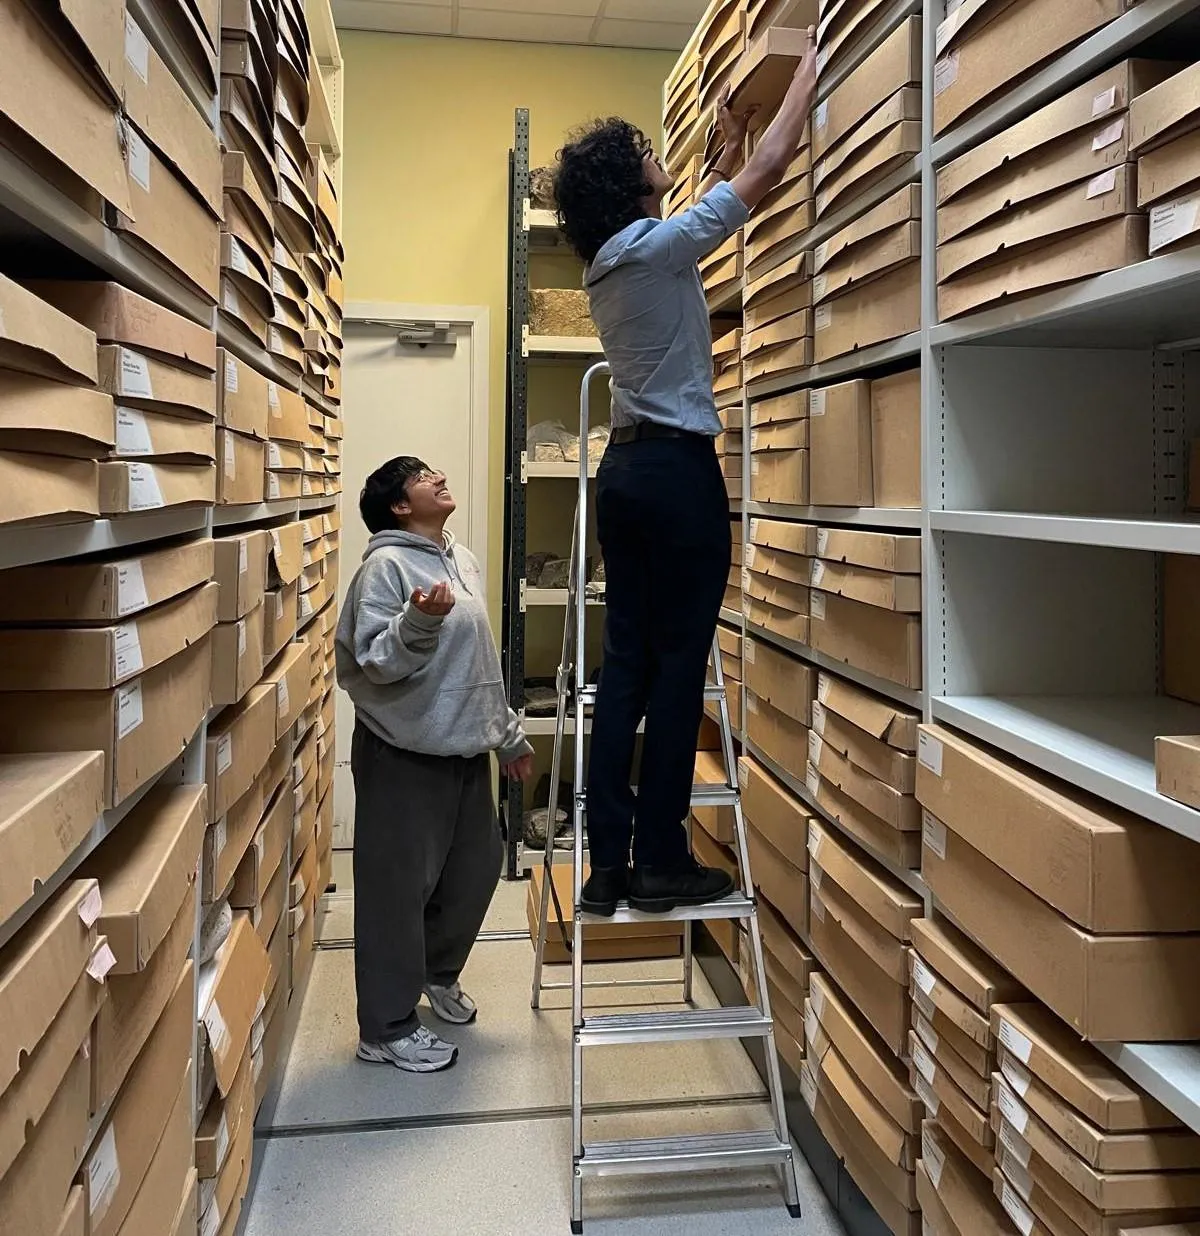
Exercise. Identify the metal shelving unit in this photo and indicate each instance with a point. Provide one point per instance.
(530, 231)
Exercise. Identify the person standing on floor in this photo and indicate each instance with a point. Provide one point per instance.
(415, 654)
(661, 507)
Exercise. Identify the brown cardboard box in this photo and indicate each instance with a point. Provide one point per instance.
(894, 64)
(840, 939)
(290, 675)
(35, 1189)
(781, 818)
(896, 439)
(222, 1122)
(240, 741)
(976, 60)
(944, 1006)
(47, 488)
(884, 589)
(288, 553)
(262, 858)
(121, 1153)
(167, 220)
(1104, 868)
(237, 652)
(880, 718)
(243, 396)
(134, 1005)
(949, 1185)
(1104, 247)
(884, 802)
(869, 162)
(41, 417)
(718, 822)
(1037, 1041)
(869, 887)
(877, 641)
(120, 316)
(102, 591)
(99, 657)
(776, 606)
(891, 844)
(229, 995)
(37, 338)
(975, 1085)
(1177, 769)
(896, 769)
(938, 1091)
(1176, 224)
(784, 290)
(158, 105)
(170, 1165)
(783, 576)
(779, 877)
(867, 148)
(879, 551)
(48, 805)
(31, 1092)
(240, 567)
(72, 1222)
(965, 966)
(779, 679)
(766, 68)
(1181, 603)
(288, 415)
(178, 439)
(270, 914)
(840, 445)
(886, 235)
(884, 309)
(127, 488)
(140, 726)
(145, 871)
(840, 26)
(1165, 110)
(1130, 987)
(241, 477)
(158, 382)
(785, 537)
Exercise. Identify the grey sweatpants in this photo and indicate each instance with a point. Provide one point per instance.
(427, 856)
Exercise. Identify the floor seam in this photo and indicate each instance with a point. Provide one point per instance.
(511, 1115)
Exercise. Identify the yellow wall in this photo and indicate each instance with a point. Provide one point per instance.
(428, 127)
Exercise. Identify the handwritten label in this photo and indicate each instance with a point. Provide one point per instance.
(1106, 182)
(1015, 1041)
(129, 709)
(133, 434)
(137, 49)
(933, 835)
(135, 375)
(929, 753)
(231, 375)
(144, 493)
(1109, 135)
(945, 73)
(91, 906)
(1105, 101)
(137, 157)
(224, 754)
(104, 1175)
(932, 1156)
(127, 651)
(131, 588)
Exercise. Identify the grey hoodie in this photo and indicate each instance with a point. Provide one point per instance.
(429, 685)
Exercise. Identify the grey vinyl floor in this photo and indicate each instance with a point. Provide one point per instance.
(485, 1148)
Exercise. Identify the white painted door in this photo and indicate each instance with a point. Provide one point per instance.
(405, 399)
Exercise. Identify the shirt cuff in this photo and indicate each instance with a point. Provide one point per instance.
(733, 212)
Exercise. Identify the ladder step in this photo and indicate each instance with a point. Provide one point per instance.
(683, 1154)
(587, 694)
(714, 796)
(673, 1026)
(736, 905)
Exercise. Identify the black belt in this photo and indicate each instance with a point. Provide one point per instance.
(643, 430)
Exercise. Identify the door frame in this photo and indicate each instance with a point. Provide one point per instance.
(478, 318)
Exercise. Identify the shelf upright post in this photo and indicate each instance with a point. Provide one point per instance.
(515, 505)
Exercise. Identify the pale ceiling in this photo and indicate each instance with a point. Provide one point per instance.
(662, 24)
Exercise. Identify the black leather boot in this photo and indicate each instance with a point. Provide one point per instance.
(658, 890)
(603, 889)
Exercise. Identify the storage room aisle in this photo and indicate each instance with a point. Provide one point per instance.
(485, 1147)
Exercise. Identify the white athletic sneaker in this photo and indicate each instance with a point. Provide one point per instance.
(451, 1004)
(421, 1052)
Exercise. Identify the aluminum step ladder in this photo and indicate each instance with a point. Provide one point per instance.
(649, 1155)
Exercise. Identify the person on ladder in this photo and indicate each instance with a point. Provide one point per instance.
(661, 507)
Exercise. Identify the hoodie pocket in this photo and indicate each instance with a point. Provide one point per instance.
(468, 720)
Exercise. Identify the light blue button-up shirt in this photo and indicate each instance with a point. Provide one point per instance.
(648, 303)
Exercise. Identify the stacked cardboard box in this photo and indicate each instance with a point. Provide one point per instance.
(862, 768)
(1118, 899)
(680, 117)
(866, 602)
(721, 271)
(730, 640)
(952, 1049)
(984, 47)
(860, 923)
(687, 187)
(1080, 1147)
(727, 389)
(1050, 200)
(775, 581)
(780, 690)
(1177, 768)
(777, 339)
(1164, 134)
(785, 214)
(779, 456)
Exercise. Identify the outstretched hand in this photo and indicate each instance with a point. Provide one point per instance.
(521, 769)
(733, 125)
(436, 603)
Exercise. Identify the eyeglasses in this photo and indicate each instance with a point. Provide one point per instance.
(426, 477)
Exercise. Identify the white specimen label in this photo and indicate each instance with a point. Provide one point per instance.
(102, 961)
(1173, 221)
(241, 630)
(273, 395)
(945, 73)
(1015, 1041)
(127, 651)
(821, 116)
(925, 1032)
(129, 709)
(1017, 1076)
(243, 555)
(222, 1140)
(926, 1095)
(923, 976)
(1017, 1146)
(218, 1031)
(135, 375)
(91, 906)
(1011, 1109)
(274, 460)
(133, 434)
(823, 318)
(818, 716)
(1109, 135)
(924, 1062)
(817, 606)
(137, 48)
(104, 1175)
(229, 298)
(933, 835)
(1106, 182)
(222, 836)
(819, 284)
(933, 1156)
(929, 753)
(131, 588)
(282, 704)
(824, 688)
(815, 747)
(137, 157)
(224, 754)
(237, 256)
(144, 493)
(231, 375)
(812, 781)
(1016, 1209)
(272, 486)
(1105, 101)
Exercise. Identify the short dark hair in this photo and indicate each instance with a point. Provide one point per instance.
(600, 184)
(385, 487)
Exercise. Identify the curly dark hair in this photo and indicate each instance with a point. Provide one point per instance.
(386, 487)
(600, 184)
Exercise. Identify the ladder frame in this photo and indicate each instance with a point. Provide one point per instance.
(573, 693)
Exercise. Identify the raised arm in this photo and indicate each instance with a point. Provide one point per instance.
(393, 638)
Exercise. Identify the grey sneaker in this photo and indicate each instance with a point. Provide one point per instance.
(451, 1004)
(421, 1052)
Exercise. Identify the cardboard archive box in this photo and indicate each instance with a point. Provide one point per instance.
(1165, 133)
(1177, 768)
(777, 830)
